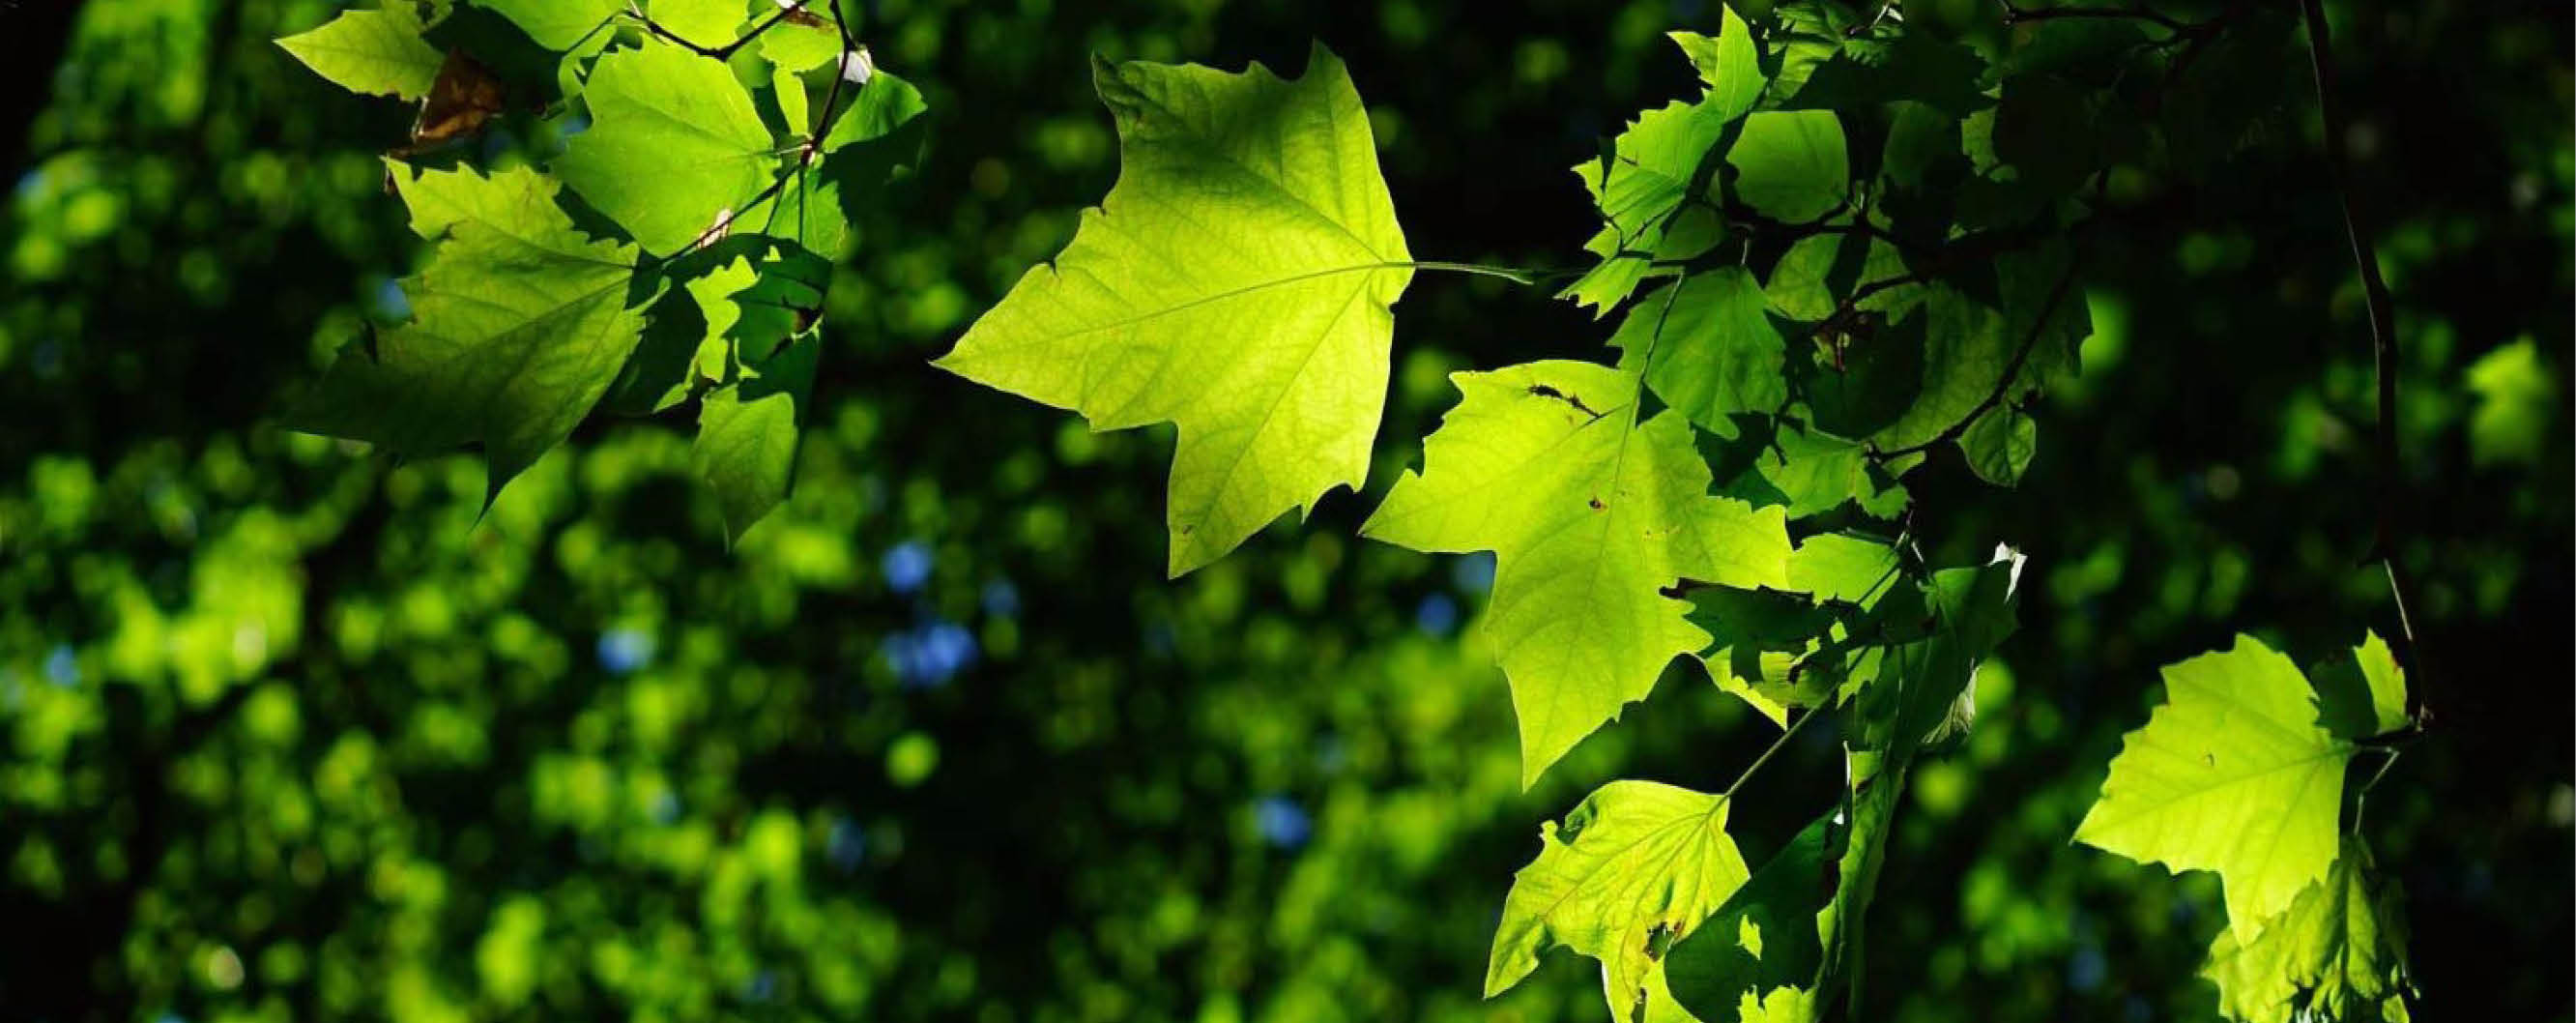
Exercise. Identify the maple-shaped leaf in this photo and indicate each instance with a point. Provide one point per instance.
(1592, 516)
(375, 51)
(1633, 869)
(1761, 951)
(2236, 774)
(1656, 183)
(675, 148)
(1716, 353)
(2338, 952)
(520, 323)
(1235, 283)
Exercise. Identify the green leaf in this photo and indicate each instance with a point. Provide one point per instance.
(877, 135)
(1908, 66)
(1634, 868)
(2338, 952)
(2233, 774)
(1790, 164)
(520, 323)
(1763, 941)
(1809, 280)
(1592, 516)
(746, 446)
(1810, 473)
(1713, 351)
(1729, 62)
(795, 46)
(556, 24)
(372, 51)
(1971, 345)
(674, 146)
(2364, 696)
(2000, 444)
(1842, 567)
(1236, 282)
(721, 309)
(1653, 187)
(1756, 639)
(707, 23)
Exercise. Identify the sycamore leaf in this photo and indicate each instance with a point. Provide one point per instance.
(1729, 62)
(1633, 869)
(1764, 940)
(1970, 345)
(1235, 282)
(877, 133)
(1652, 186)
(747, 431)
(2233, 774)
(2338, 952)
(2387, 682)
(1808, 472)
(807, 39)
(1592, 517)
(2000, 445)
(375, 51)
(556, 24)
(520, 323)
(1790, 165)
(674, 145)
(1716, 353)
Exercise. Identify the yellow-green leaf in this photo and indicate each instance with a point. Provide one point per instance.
(1235, 282)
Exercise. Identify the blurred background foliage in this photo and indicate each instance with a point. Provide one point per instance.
(286, 732)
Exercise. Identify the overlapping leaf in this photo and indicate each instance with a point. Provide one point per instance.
(375, 50)
(2234, 773)
(2338, 953)
(675, 148)
(1634, 868)
(556, 24)
(520, 324)
(1592, 515)
(1235, 282)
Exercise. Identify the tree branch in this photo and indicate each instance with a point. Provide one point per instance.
(2383, 331)
(729, 49)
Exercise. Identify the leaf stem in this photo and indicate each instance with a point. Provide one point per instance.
(1516, 275)
(1776, 744)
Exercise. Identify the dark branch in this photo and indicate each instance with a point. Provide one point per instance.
(2383, 328)
(729, 49)
(2012, 371)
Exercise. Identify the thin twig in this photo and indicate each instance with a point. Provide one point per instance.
(2012, 371)
(729, 49)
(2388, 494)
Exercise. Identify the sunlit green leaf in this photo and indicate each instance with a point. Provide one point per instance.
(375, 51)
(2232, 774)
(675, 149)
(520, 324)
(2338, 953)
(1633, 869)
(1236, 282)
(1592, 516)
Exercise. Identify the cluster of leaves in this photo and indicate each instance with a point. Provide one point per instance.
(1861, 241)
(2241, 772)
(677, 249)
